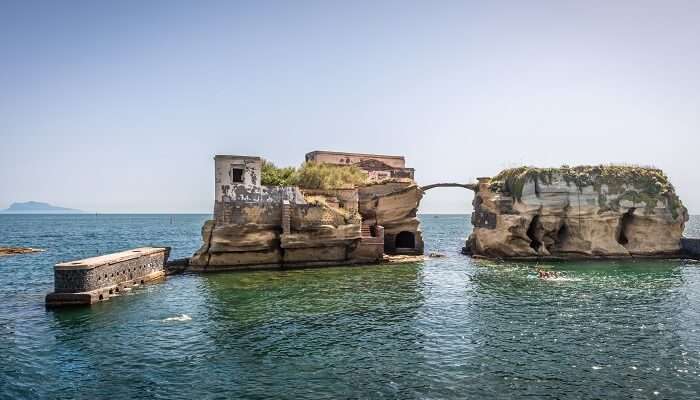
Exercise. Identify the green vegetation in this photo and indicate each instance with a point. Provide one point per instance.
(649, 184)
(313, 176)
(327, 176)
(274, 176)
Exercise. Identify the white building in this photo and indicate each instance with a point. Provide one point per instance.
(236, 172)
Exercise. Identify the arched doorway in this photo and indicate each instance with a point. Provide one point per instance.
(405, 240)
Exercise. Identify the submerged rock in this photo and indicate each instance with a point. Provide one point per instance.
(587, 211)
(9, 251)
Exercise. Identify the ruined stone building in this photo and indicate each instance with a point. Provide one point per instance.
(270, 226)
(379, 167)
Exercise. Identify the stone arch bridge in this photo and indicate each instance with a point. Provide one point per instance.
(409, 240)
(470, 186)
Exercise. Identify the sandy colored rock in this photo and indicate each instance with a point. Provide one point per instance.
(577, 212)
(9, 251)
(393, 205)
(273, 256)
(247, 237)
(326, 235)
(316, 254)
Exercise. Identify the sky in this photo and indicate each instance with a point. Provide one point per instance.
(120, 106)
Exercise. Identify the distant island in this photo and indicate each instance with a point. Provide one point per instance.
(35, 207)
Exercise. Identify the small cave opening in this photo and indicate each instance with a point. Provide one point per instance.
(562, 234)
(535, 243)
(625, 221)
(405, 240)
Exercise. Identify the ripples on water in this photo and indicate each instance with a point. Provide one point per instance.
(450, 327)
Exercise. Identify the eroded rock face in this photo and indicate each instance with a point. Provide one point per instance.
(318, 233)
(577, 212)
(394, 205)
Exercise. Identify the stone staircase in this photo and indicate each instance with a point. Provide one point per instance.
(366, 231)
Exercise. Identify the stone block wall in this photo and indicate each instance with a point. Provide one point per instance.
(240, 213)
(262, 205)
(85, 280)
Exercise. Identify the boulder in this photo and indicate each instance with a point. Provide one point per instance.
(588, 211)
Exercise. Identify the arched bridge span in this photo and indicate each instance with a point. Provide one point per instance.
(470, 186)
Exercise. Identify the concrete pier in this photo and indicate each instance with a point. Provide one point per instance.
(691, 246)
(98, 278)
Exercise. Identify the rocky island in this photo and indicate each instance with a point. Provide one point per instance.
(10, 251)
(36, 207)
(345, 208)
(338, 208)
(577, 212)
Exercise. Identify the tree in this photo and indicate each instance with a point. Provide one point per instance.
(274, 176)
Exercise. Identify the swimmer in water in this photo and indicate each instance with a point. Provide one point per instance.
(543, 274)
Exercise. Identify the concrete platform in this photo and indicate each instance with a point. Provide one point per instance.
(95, 279)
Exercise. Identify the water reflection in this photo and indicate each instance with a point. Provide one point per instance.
(602, 325)
(297, 331)
(450, 327)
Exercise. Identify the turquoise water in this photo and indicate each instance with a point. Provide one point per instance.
(449, 327)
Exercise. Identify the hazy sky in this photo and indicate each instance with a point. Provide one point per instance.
(120, 106)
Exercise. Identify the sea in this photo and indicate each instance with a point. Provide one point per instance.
(450, 327)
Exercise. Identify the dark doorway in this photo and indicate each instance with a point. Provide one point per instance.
(405, 240)
(532, 233)
(237, 175)
(626, 219)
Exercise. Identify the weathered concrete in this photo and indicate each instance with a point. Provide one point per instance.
(378, 167)
(95, 279)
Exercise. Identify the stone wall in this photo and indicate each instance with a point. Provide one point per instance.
(341, 158)
(262, 205)
(235, 172)
(85, 280)
(98, 278)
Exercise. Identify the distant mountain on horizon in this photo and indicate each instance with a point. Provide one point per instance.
(36, 207)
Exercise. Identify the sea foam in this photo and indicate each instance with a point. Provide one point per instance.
(179, 318)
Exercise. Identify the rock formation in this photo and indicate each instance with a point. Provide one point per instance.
(569, 212)
(327, 219)
(9, 251)
(393, 205)
(315, 233)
